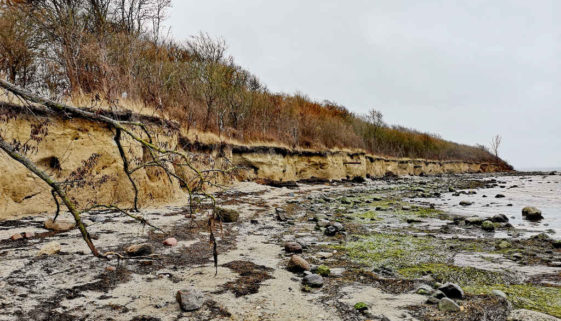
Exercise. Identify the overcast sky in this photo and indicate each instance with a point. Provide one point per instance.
(467, 70)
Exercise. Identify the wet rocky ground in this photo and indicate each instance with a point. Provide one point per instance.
(387, 249)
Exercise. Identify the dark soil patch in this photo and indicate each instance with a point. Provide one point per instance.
(251, 276)
(476, 308)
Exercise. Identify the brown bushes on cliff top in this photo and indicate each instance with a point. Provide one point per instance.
(112, 51)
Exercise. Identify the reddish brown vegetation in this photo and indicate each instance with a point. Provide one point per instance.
(109, 50)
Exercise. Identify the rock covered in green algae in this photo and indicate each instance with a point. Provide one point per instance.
(323, 270)
(361, 306)
(488, 226)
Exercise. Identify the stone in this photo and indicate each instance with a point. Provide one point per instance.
(556, 244)
(298, 264)
(322, 223)
(139, 249)
(110, 269)
(337, 272)
(313, 280)
(170, 241)
(452, 290)
(424, 289)
(432, 300)
(227, 215)
(324, 255)
(488, 226)
(16, 237)
(281, 214)
(190, 299)
(499, 218)
(28, 235)
(466, 203)
(323, 270)
(531, 213)
(50, 248)
(293, 247)
(438, 294)
(500, 196)
(345, 200)
(474, 220)
(527, 315)
(330, 230)
(499, 293)
(448, 305)
(338, 226)
(59, 225)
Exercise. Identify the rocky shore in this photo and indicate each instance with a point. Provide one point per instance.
(383, 249)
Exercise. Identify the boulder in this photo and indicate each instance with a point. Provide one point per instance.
(298, 264)
(448, 305)
(500, 196)
(531, 213)
(59, 225)
(466, 203)
(527, 315)
(190, 299)
(313, 280)
(293, 247)
(227, 215)
(499, 218)
(474, 220)
(139, 249)
(50, 248)
(452, 291)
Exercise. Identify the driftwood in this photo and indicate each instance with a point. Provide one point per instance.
(159, 157)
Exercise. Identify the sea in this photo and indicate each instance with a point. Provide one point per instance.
(540, 191)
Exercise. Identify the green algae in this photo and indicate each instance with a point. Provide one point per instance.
(477, 282)
(526, 296)
(391, 250)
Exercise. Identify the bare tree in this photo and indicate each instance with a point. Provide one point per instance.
(495, 144)
(210, 68)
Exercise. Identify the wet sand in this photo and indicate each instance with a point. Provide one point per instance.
(393, 236)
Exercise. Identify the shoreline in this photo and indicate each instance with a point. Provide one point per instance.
(383, 251)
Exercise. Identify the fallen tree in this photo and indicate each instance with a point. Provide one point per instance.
(138, 133)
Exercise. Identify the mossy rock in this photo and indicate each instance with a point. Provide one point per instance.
(488, 226)
(323, 270)
(361, 306)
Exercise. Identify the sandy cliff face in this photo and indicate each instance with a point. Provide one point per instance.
(64, 148)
